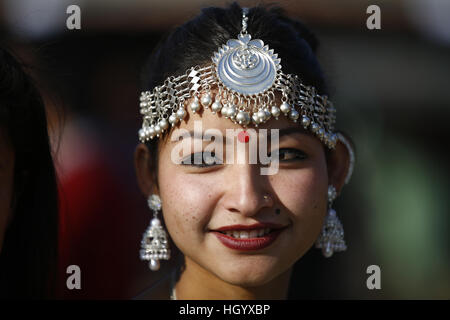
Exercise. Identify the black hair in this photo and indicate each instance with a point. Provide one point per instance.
(28, 257)
(194, 43)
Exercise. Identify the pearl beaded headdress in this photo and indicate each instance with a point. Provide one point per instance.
(246, 75)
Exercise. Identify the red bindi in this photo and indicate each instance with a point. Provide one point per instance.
(243, 136)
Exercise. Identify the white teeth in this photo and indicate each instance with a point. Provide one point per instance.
(244, 235)
(253, 234)
(241, 234)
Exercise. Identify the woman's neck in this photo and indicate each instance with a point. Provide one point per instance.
(196, 283)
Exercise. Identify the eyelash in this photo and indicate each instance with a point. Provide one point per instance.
(300, 155)
(202, 165)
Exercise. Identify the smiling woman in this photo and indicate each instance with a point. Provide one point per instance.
(239, 232)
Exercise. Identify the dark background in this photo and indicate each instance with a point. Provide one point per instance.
(391, 90)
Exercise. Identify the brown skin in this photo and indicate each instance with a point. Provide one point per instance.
(196, 200)
(6, 182)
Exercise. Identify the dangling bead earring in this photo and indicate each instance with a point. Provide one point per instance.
(331, 238)
(154, 244)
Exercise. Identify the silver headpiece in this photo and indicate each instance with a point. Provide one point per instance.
(246, 74)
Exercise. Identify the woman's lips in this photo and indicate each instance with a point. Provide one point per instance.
(248, 240)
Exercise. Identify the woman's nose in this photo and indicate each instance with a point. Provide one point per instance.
(246, 189)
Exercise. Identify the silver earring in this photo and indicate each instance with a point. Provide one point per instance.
(154, 244)
(331, 238)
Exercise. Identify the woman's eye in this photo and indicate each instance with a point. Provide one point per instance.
(201, 159)
(290, 154)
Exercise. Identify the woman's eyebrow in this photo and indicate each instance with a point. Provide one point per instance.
(281, 132)
(202, 135)
(188, 134)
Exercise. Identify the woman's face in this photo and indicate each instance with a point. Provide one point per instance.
(197, 201)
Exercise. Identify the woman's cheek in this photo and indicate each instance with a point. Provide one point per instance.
(187, 210)
(304, 195)
(300, 191)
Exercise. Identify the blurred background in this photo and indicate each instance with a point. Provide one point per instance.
(391, 90)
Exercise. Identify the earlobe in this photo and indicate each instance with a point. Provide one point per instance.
(145, 175)
(341, 162)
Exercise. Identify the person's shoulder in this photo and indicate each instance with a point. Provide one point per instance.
(160, 290)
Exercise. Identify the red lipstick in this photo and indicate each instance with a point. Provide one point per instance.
(260, 225)
(250, 243)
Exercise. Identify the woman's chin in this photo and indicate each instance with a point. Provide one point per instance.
(247, 278)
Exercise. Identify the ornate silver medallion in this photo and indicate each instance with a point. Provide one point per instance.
(246, 66)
